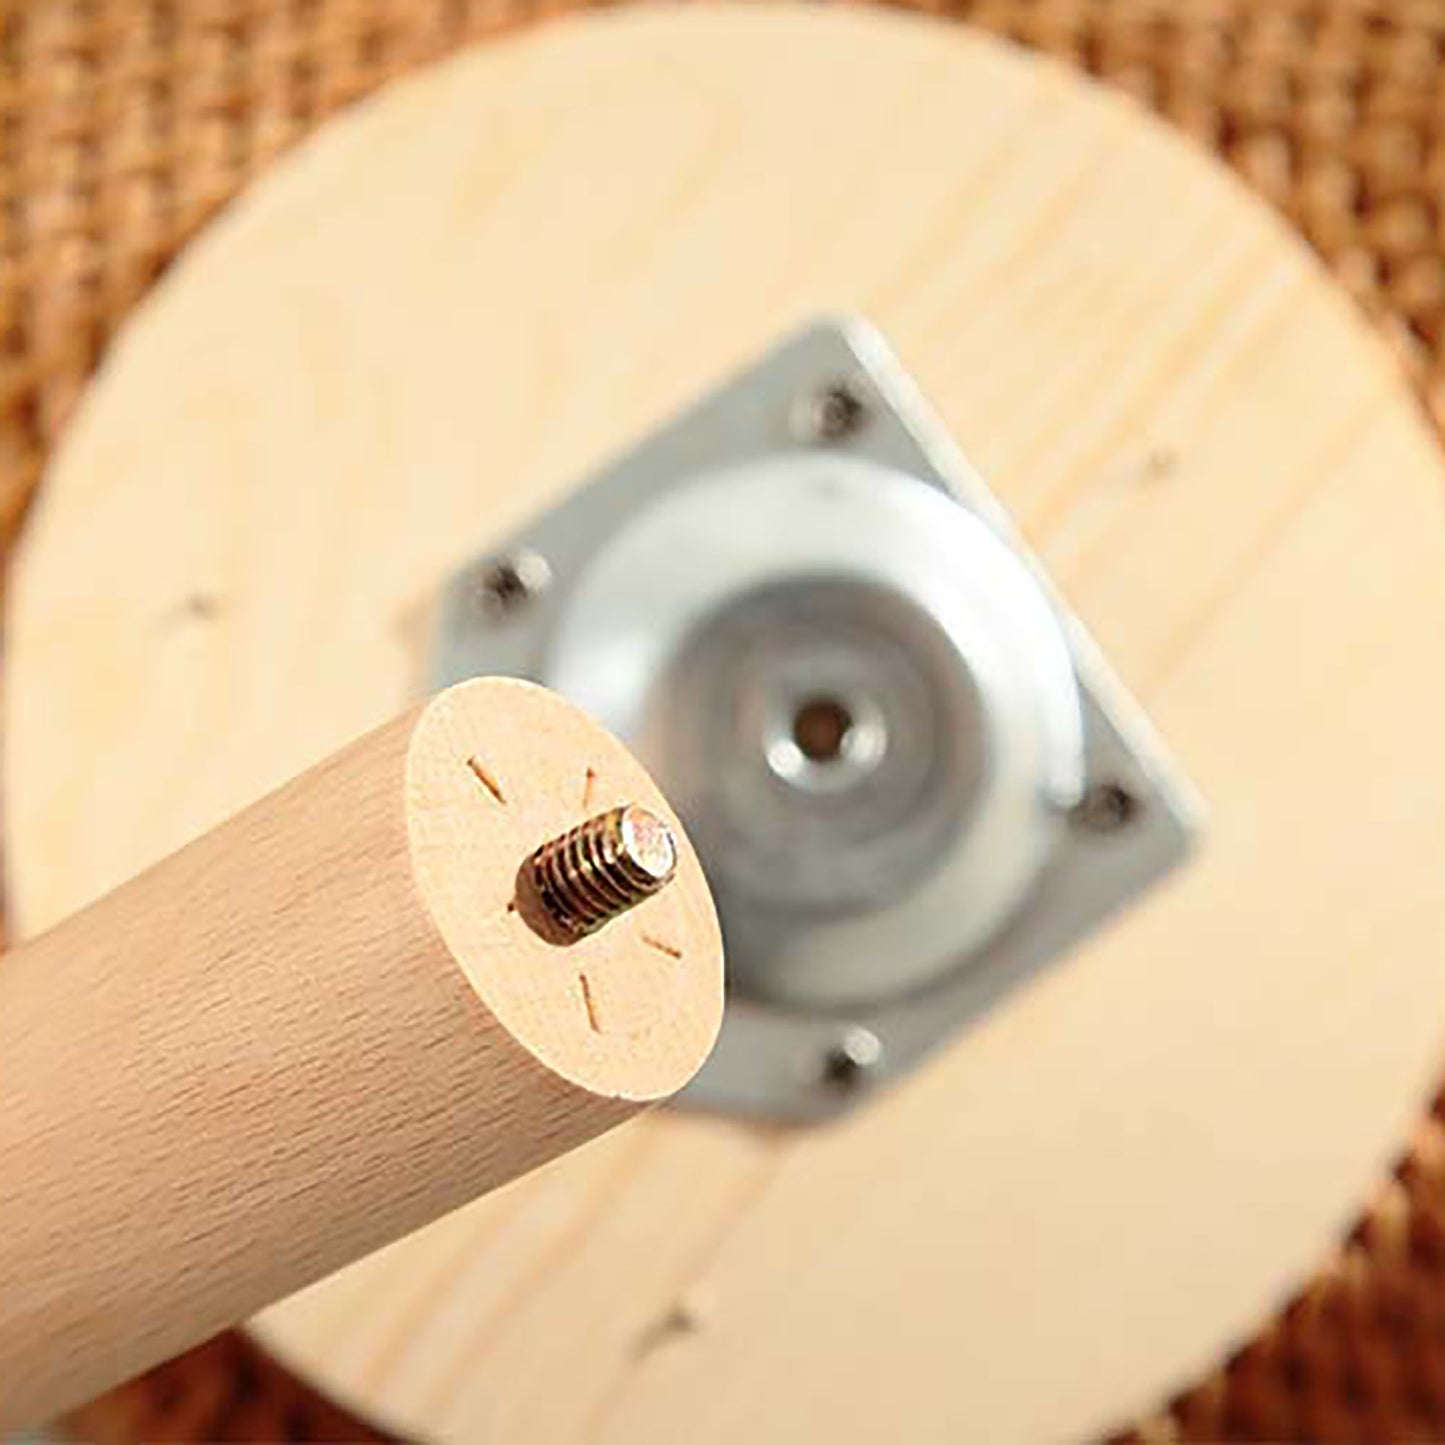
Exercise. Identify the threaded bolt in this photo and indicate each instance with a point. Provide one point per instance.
(601, 868)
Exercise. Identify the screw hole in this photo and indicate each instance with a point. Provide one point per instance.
(1106, 808)
(833, 413)
(508, 584)
(852, 1060)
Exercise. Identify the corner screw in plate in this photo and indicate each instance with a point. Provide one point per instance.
(831, 414)
(1105, 808)
(601, 868)
(852, 1060)
(508, 583)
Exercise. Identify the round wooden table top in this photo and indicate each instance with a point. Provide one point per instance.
(432, 320)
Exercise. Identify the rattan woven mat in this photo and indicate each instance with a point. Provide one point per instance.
(124, 125)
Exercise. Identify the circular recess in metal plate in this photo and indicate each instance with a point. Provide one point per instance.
(858, 697)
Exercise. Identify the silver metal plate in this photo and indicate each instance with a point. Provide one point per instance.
(912, 779)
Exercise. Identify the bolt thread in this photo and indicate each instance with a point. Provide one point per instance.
(601, 868)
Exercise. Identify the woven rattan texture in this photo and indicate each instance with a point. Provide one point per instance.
(124, 124)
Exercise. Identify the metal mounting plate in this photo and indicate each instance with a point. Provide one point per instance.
(822, 474)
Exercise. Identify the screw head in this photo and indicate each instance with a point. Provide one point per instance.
(852, 1060)
(1105, 808)
(831, 414)
(509, 583)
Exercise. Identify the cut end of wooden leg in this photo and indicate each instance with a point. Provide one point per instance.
(531, 893)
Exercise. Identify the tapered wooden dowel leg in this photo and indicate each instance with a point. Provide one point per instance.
(319, 1027)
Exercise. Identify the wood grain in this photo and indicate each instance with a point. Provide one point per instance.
(337, 397)
(315, 1029)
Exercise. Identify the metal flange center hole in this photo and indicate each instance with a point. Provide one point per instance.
(823, 741)
(821, 727)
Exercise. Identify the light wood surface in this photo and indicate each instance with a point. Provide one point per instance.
(431, 321)
(317, 1028)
